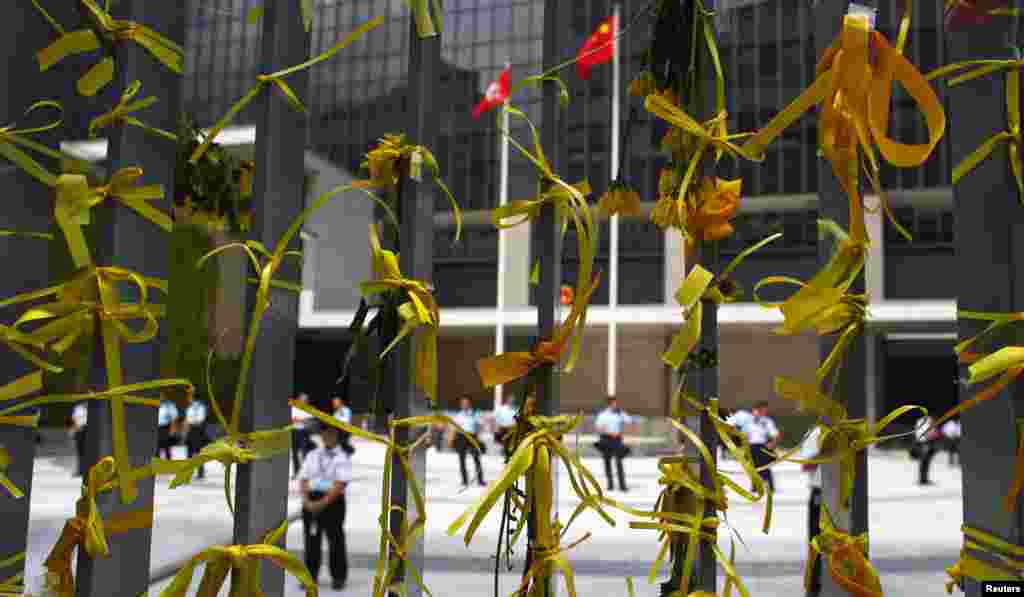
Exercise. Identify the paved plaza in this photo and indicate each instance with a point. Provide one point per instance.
(914, 531)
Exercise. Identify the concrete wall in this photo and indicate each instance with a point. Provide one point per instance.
(752, 357)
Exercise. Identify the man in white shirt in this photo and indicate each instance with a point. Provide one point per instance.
(809, 450)
(166, 419)
(611, 424)
(79, 418)
(325, 476)
(925, 439)
(344, 414)
(196, 437)
(505, 422)
(761, 434)
(469, 421)
(951, 432)
(300, 435)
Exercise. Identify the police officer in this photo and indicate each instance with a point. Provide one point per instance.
(196, 436)
(325, 477)
(344, 414)
(505, 422)
(301, 444)
(166, 419)
(79, 418)
(611, 423)
(761, 434)
(469, 421)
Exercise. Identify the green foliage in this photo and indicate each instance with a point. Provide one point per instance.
(217, 188)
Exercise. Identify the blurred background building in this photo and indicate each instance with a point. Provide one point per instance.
(768, 54)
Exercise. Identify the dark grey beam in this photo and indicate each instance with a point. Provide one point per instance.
(851, 385)
(261, 495)
(28, 208)
(123, 238)
(416, 262)
(989, 228)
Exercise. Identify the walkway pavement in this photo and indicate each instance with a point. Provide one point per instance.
(914, 531)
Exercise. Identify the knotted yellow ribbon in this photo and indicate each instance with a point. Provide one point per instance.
(5, 481)
(277, 79)
(854, 95)
(620, 199)
(112, 31)
(11, 138)
(244, 561)
(847, 558)
(1010, 565)
(87, 529)
(420, 313)
(13, 586)
(121, 114)
(74, 199)
(510, 366)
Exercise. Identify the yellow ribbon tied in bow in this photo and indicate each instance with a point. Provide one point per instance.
(854, 89)
(620, 199)
(111, 31)
(12, 139)
(245, 561)
(88, 530)
(847, 560)
(122, 114)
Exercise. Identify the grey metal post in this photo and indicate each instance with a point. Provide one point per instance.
(417, 262)
(988, 236)
(125, 239)
(27, 209)
(261, 494)
(833, 204)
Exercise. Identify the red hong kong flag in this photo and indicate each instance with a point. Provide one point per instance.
(497, 92)
(599, 48)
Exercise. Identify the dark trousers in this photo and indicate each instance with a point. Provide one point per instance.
(612, 448)
(164, 441)
(813, 529)
(762, 458)
(330, 522)
(953, 446)
(463, 447)
(300, 447)
(925, 463)
(195, 441)
(80, 450)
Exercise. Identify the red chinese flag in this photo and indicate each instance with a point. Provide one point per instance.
(497, 92)
(599, 48)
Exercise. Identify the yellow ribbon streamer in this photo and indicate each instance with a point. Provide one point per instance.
(88, 530)
(620, 199)
(854, 95)
(121, 114)
(11, 138)
(13, 586)
(277, 79)
(5, 481)
(847, 558)
(1009, 556)
(114, 31)
(244, 561)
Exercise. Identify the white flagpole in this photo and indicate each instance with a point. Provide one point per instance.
(613, 278)
(499, 331)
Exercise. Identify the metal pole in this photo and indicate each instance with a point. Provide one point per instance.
(261, 494)
(833, 204)
(988, 237)
(29, 209)
(416, 262)
(125, 239)
(499, 328)
(613, 256)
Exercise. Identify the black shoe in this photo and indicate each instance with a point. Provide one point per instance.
(926, 483)
(624, 489)
(611, 488)
(482, 483)
(338, 585)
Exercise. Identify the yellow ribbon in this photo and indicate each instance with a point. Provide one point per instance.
(5, 481)
(13, 586)
(113, 31)
(854, 95)
(847, 558)
(1012, 135)
(569, 201)
(419, 314)
(11, 138)
(244, 561)
(510, 366)
(277, 79)
(89, 530)
(121, 114)
(620, 199)
(1009, 567)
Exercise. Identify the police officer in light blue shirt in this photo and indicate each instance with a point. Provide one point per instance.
(469, 421)
(196, 437)
(611, 423)
(344, 414)
(505, 422)
(166, 418)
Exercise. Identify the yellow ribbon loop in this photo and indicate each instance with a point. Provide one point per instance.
(244, 561)
(74, 199)
(113, 31)
(420, 313)
(13, 586)
(1010, 565)
(121, 114)
(847, 558)
(88, 530)
(506, 367)
(12, 139)
(5, 481)
(854, 95)
(689, 298)
(277, 79)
